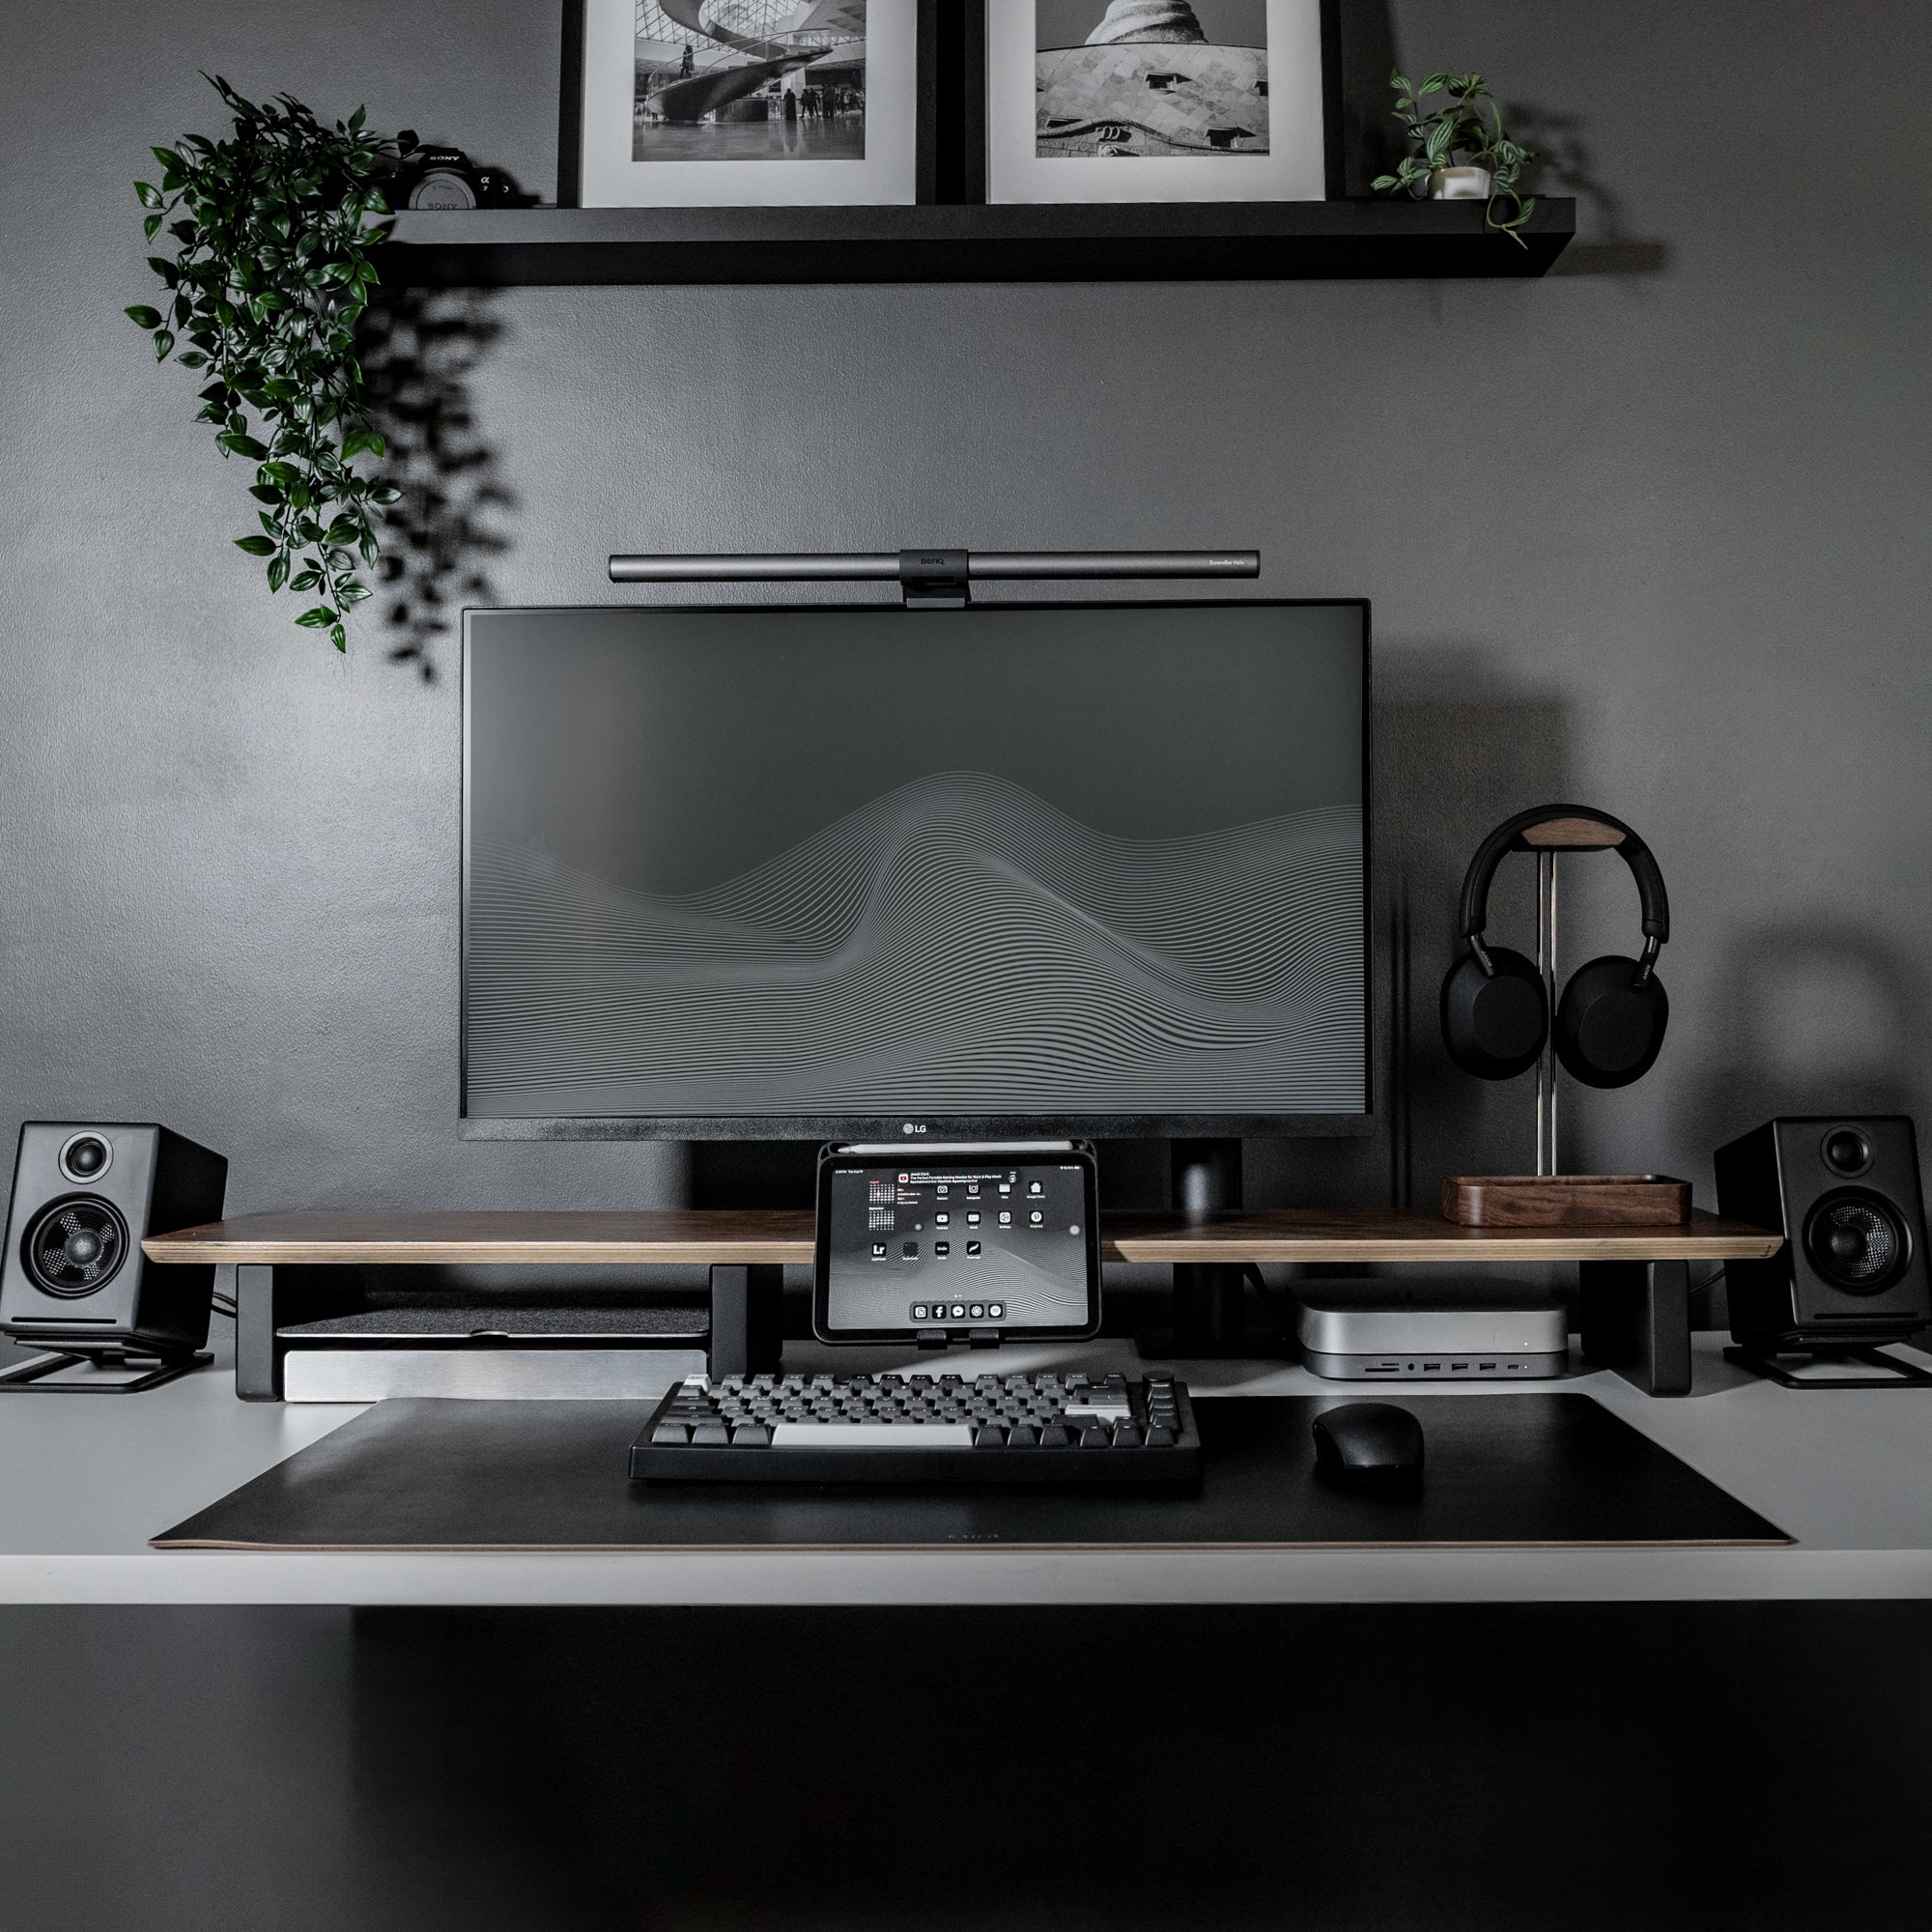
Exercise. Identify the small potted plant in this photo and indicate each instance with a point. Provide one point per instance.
(1459, 152)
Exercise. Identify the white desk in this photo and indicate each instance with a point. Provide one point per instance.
(1847, 1473)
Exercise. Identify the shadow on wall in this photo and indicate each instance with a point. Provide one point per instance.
(1373, 142)
(1814, 1020)
(1456, 752)
(1565, 166)
(420, 348)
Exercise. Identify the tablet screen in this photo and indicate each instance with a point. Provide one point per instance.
(956, 1242)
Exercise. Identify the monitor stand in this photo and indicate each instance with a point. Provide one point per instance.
(1209, 1313)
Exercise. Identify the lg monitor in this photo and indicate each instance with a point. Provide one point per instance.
(795, 872)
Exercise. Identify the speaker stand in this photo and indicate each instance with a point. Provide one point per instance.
(1897, 1373)
(30, 1378)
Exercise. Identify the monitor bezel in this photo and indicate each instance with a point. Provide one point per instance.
(912, 1128)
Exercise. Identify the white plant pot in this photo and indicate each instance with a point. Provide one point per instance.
(1460, 185)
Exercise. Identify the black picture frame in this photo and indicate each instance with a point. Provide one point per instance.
(952, 103)
(962, 71)
(946, 58)
(569, 109)
(952, 150)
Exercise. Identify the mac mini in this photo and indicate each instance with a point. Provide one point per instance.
(1368, 1330)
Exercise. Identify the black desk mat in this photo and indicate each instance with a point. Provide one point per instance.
(1520, 1470)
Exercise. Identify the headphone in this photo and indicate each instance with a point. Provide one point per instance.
(1610, 1019)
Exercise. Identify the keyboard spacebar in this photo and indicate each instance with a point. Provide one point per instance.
(871, 1435)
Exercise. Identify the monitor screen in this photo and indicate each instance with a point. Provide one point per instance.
(802, 872)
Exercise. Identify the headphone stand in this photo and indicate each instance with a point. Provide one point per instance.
(1546, 964)
(1549, 1198)
(1558, 835)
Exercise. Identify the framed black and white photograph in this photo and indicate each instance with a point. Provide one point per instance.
(1155, 101)
(708, 104)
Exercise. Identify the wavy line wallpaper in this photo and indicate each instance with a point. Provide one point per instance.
(955, 944)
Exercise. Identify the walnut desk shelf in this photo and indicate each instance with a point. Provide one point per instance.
(1634, 1280)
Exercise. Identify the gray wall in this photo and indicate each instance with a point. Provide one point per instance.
(1651, 533)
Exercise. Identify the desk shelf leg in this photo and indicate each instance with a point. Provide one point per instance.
(1637, 1320)
(747, 1320)
(258, 1368)
(1209, 1306)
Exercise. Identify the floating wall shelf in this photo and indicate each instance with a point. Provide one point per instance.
(1168, 242)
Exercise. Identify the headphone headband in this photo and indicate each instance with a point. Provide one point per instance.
(1508, 837)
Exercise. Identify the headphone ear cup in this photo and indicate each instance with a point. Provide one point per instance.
(1495, 1024)
(1609, 1024)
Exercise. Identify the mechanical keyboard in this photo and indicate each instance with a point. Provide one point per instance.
(921, 1429)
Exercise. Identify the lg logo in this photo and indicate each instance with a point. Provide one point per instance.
(912, 1127)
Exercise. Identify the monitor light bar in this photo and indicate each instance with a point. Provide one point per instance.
(936, 576)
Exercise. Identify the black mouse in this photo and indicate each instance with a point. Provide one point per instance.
(1372, 1443)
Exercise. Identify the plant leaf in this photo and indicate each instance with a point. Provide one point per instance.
(163, 341)
(150, 195)
(316, 616)
(143, 316)
(256, 546)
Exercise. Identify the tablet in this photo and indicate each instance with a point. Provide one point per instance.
(957, 1242)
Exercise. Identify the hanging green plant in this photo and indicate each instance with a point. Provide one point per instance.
(275, 228)
(1456, 139)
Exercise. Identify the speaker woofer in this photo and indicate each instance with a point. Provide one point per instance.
(75, 1247)
(1858, 1241)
